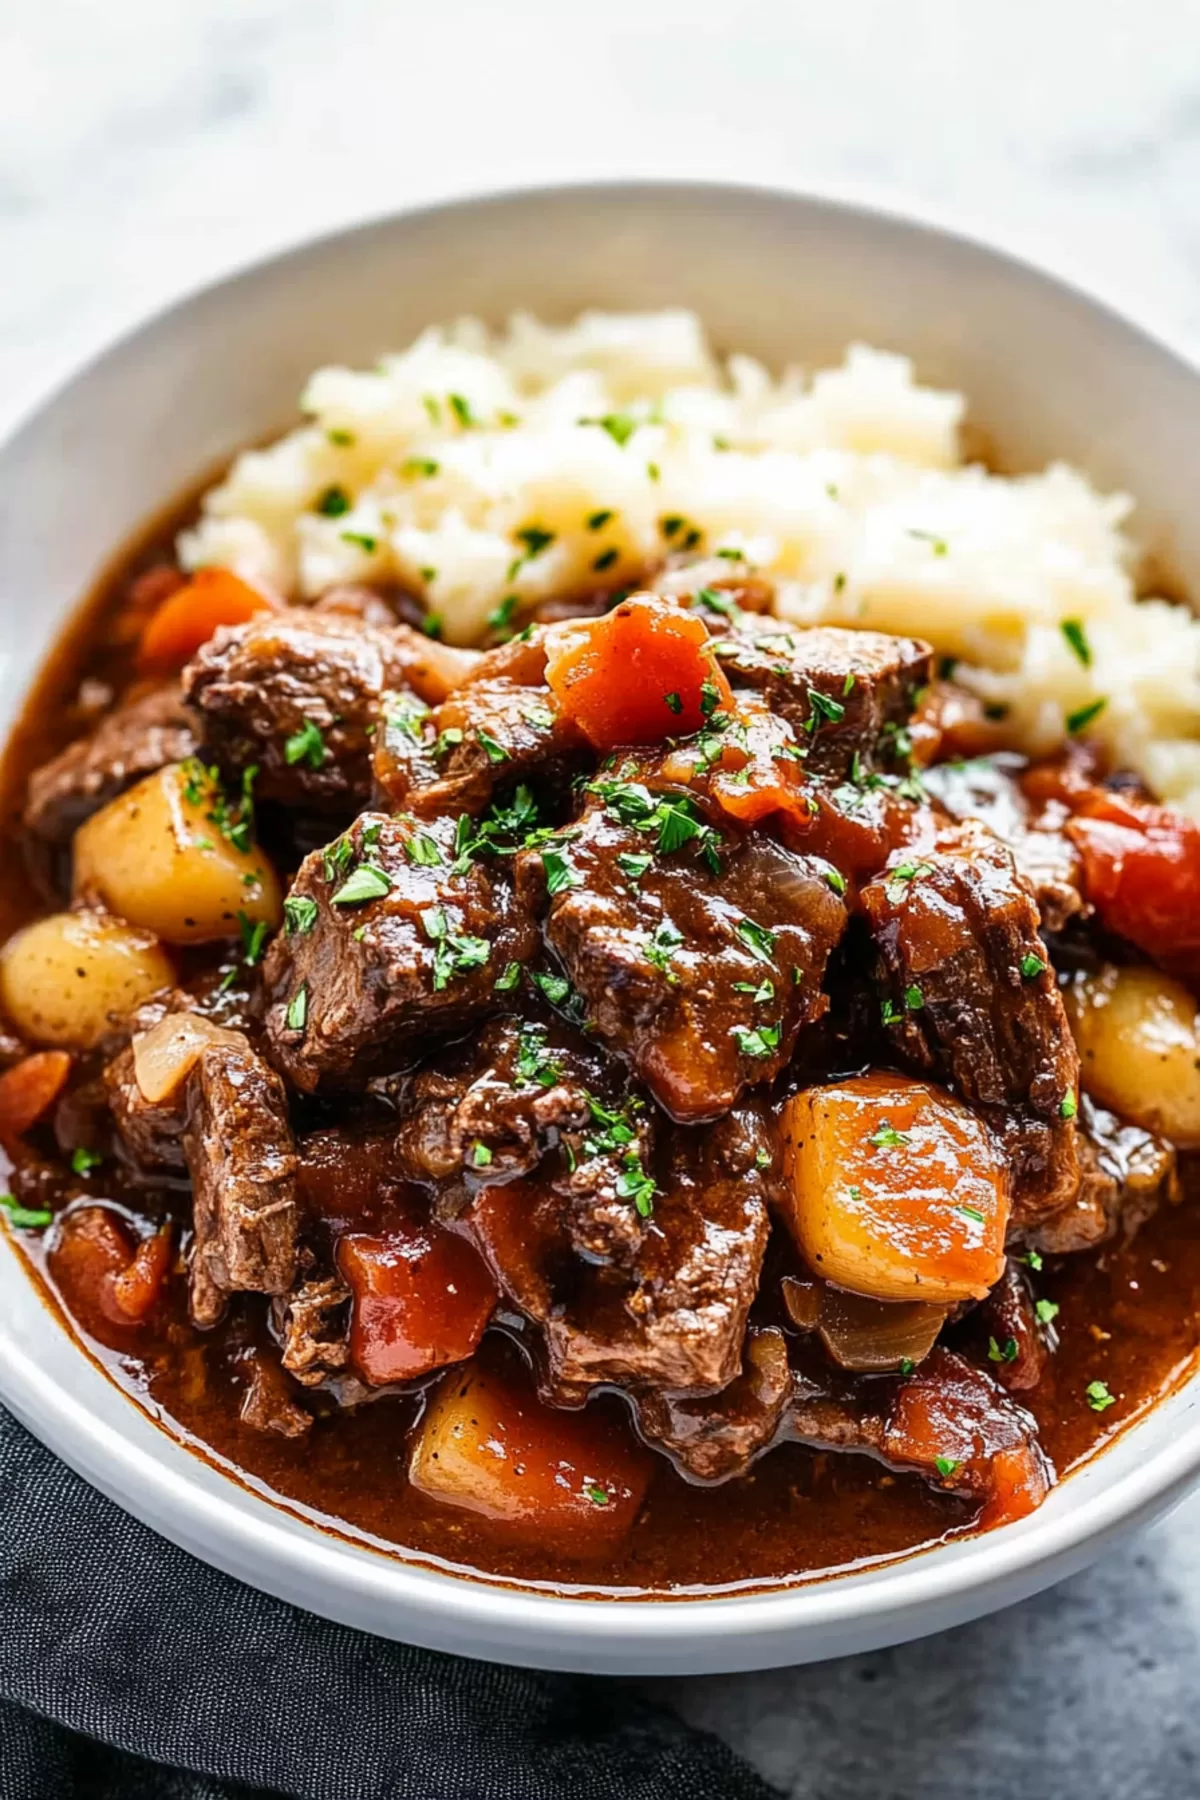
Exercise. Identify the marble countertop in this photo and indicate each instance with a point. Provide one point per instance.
(147, 144)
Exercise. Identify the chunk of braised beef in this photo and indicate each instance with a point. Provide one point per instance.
(1006, 1329)
(844, 693)
(1125, 1173)
(714, 1437)
(144, 732)
(389, 941)
(269, 1402)
(242, 1160)
(697, 953)
(312, 1325)
(297, 695)
(989, 789)
(968, 992)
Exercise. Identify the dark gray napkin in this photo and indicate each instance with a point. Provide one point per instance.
(128, 1669)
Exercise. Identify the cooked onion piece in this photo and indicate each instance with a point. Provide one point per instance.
(68, 979)
(158, 857)
(860, 1333)
(164, 1056)
(1139, 1048)
(895, 1190)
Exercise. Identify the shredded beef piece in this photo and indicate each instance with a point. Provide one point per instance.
(267, 1404)
(298, 694)
(312, 1323)
(988, 789)
(970, 992)
(712, 1438)
(242, 1161)
(356, 986)
(140, 735)
(1124, 1174)
(842, 692)
(700, 980)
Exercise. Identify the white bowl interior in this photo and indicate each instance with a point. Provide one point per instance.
(1048, 373)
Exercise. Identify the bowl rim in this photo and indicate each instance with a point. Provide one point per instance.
(292, 1561)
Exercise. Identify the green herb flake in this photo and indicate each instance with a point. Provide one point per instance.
(914, 999)
(822, 710)
(1082, 717)
(83, 1161)
(299, 915)
(1032, 966)
(334, 502)
(713, 600)
(762, 1159)
(1003, 1353)
(899, 878)
(836, 880)
(759, 1043)
(907, 1365)
(342, 439)
(481, 1156)
(446, 741)
(560, 873)
(25, 1218)
(619, 426)
(598, 520)
(971, 1212)
(633, 864)
(1047, 1310)
(1068, 1107)
(661, 946)
(556, 988)
(495, 752)
(460, 406)
(596, 1494)
(296, 1017)
(254, 937)
(758, 940)
(605, 560)
(306, 746)
(947, 1466)
(674, 702)
(368, 882)
(432, 625)
(362, 540)
(1072, 630)
(1098, 1396)
(634, 1184)
(888, 1138)
(423, 850)
(1034, 1259)
(508, 979)
(937, 544)
(501, 615)
(420, 465)
(760, 991)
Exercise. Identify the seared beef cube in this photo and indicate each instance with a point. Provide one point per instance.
(1124, 1175)
(268, 1403)
(970, 993)
(842, 692)
(717, 1436)
(140, 735)
(988, 789)
(242, 1161)
(388, 941)
(678, 1319)
(150, 1133)
(698, 964)
(1007, 1330)
(298, 696)
(485, 734)
(312, 1323)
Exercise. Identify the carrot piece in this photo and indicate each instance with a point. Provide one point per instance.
(422, 1298)
(1141, 871)
(135, 1289)
(957, 1426)
(106, 1274)
(639, 674)
(29, 1088)
(188, 618)
(572, 1479)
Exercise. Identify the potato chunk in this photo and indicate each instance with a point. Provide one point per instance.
(569, 1479)
(158, 856)
(1139, 1049)
(68, 979)
(895, 1190)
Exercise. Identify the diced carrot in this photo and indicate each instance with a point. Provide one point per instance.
(188, 618)
(104, 1271)
(639, 674)
(29, 1089)
(1141, 871)
(571, 1479)
(422, 1298)
(136, 1289)
(1019, 1484)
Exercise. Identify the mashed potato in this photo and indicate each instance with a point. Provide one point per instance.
(473, 468)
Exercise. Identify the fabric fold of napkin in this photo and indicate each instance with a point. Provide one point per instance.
(130, 1671)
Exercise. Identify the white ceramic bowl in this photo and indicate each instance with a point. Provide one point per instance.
(1049, 373)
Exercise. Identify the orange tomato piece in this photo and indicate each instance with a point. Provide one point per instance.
(29, 1089)
(188, 618)
(643, 672)
(573, 1479)
(422, 1298)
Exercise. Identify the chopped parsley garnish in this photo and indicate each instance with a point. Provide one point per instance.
(758, 940)
(762, 1159)
(560, 872)
(556, 988)
(619, 426)
(460, 406)
(1003, 1353)
(534, 1062)
(971, 1212)
(26, 1218)
(674, 702)
(1082, 717)
(661, 946)
(634, 1184)
(368, 882)
(710, 698)
(836, 880)
(596, 1494)
(678, 824)
(334, 502)
(634, 865)
(676, 820)
(898, 879)
(822, 710)
(653, 471)
(432, 624)
(362, 540)
(534, 539)
(254, 936)
(890, 1013)
(83, 1161)
(598, 520)
(907, 1365)
(947, 1466)
(299, 915)
(759, 1043)
(540, 717)
(433, 407)
(454, 953)
(446, 741)
(611, 1128)
(1034, 1259)
(296, 1016)
(1032, 966)
(760, 991)
(1072, 630)
(1068, 1107)
(1047, 1311)
(508, 979)
(423, 850)
(946, 667)
(495, 752)
(337, 857)
(306, 746)
(343, 439)
(937, 544)
(888, 1138)
(420, 465)
(605, 560)
(481, 1156)
(1098, 1396)
(914, 999)
(501, 616)
(712, 598)
(407, 715)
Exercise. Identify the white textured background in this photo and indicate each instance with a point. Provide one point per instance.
(145, 144)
